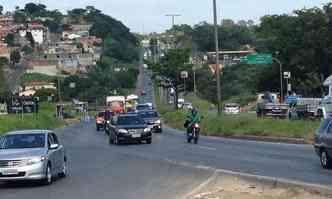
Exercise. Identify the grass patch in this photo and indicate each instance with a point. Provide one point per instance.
(29, 77)
(239, 125)
(45, 119)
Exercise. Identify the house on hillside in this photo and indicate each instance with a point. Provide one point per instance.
(38, 32)
(41, 66)
(76, 31)
(4, 31)
(6, 20)
(89, 43)
(4, 51)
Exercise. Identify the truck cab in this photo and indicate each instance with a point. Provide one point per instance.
(326, 104)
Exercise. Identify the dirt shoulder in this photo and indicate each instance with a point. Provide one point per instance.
(234, 188)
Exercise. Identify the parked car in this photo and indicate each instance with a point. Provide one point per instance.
(128, 128)
(180, 103)
(31, 155)
(100, 121)
(323, 143)
(232, 108)
(143, 107)
(187, 106)
(152, 118)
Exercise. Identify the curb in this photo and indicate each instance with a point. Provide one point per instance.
(274, 182)
(267, 182)
(269, 139)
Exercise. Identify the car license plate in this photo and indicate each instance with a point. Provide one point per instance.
(10, 172)
(136, 135)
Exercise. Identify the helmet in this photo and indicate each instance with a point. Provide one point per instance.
(194, 110)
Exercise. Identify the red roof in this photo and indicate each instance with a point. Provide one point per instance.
(37, 83)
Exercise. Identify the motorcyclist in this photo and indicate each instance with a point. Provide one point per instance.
(193, 117)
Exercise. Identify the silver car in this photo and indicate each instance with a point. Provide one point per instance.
(31, 155)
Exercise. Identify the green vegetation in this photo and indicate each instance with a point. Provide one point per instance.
(301, 41)
(9, 39)
(245, 124)
(170, 67)
(28, 77)
(45, 119)
(3, 85)
(15, 56)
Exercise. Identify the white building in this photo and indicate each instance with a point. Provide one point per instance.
(38, 32)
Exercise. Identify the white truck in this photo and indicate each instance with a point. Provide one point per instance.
(116, 103)
(325, 108)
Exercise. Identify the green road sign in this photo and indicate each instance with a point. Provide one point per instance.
(257, 59)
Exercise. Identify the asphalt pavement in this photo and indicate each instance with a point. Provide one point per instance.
(168, 168)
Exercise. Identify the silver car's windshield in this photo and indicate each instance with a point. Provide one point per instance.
(22, 141)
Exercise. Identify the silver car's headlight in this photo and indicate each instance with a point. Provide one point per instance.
(35, 160)
(146, 130)
(158, 122)
(123, 131)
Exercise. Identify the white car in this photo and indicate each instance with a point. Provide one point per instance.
(232, 108)
(31, 155)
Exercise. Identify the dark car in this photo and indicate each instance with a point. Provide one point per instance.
(129, 128)
(323, 143)
(152, 118)
(143, 92)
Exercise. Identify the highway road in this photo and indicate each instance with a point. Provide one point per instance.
(168, 168)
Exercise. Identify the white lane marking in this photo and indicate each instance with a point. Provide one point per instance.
(207, 148)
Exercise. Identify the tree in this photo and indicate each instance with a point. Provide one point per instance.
(1, 9)
(27, 50)
(9, 39)
(304, 43)
(20, 16)
(170, 67)
(15, 56)
(4, 90)
(34, 9)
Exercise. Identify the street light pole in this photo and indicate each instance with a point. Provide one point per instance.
(281, 80)
(217, 55)
(195, 88)
(173, 18)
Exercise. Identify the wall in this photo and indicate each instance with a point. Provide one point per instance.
(50, 70)
(38, 35)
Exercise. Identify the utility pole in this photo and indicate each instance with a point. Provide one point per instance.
(281, 80)
(217, 55)
(59, 89)
(173, 23)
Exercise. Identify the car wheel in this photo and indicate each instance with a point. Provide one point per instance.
(196, 140)
(98, 128)
(149, 141)
(188, 140)
(64, 171)
(48, 175)
(325, 160)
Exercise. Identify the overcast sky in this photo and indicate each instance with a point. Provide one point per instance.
(149, 15)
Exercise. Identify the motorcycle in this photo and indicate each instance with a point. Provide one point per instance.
(194, 134)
